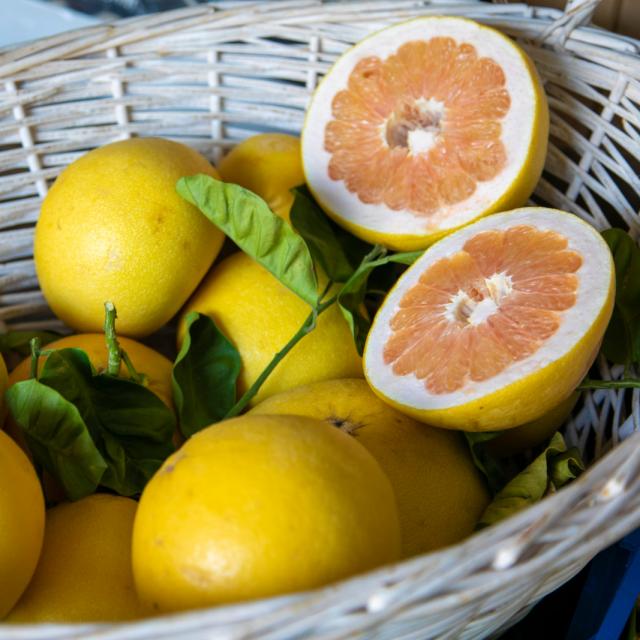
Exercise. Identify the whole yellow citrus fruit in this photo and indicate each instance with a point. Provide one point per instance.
(84, 573)
(155, 367)
(439, 492)
(21, 522)
(112, 227)
(270, 165)
(259, 315)
(258, 506)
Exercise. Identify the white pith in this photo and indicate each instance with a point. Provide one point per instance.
(463, 308)
(594, 278)
(517, 128)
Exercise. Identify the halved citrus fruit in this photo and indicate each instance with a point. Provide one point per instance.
(496, 324)
(424, 127)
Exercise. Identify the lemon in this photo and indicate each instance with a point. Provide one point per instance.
(21, 522)
(153, 365)
(258, 506)
(148, 362)
(270, 165)
(259, 315)
(112, 227)
(84, 573)
(496, 324)
(439, 492)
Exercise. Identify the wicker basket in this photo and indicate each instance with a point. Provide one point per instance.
(211, 75)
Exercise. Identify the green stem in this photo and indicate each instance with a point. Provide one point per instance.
(113, 347)
(140, 378)
(307, 326)
(34, 343)
(624, 383)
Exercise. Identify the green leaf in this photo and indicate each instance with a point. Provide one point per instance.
(205, 374)
(130, 426)
(260, 233)
(621, 342)
(352, 295)
(336, 250)
(550, 471)
(18, 341)
(493, 469)
(57, 436)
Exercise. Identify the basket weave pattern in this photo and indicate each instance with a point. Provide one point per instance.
(212, 75)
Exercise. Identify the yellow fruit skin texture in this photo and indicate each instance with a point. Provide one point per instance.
(530, 397)
(84, 573)
(270, 165)
(112, 227)
(258, 506)
(515, 196)
(259, 315)
(146, 361)
(439, 492)
(533, 433)
(21, 522)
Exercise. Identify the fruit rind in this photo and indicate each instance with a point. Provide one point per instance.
(520, 186)
(531, 395)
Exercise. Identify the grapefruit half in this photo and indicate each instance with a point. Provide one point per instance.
(424, 127)
(496, 324)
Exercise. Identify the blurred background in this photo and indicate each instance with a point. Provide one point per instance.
(22, 20)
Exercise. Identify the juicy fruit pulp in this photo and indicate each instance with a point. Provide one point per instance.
(439, 492)
(268, 164)
(112, 227)
(21, 522)
(258, 506)
(473, 334)
(437, 140)
(259, 315)
(423, 127)
(84, 573)
(483, 308)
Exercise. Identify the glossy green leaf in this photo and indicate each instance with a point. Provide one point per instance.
(18, 341)
(130, 426)
(57, 436)
(334, 249)
(494, 470)
(260, 233)
(550, 471)
(205, 374)
(621, 343)
(352, 295)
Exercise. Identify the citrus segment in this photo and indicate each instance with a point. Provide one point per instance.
(483, 306)
(490, 314)
(424, 127)
(440, 140)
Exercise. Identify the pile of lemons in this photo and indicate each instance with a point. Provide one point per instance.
(259, 505)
